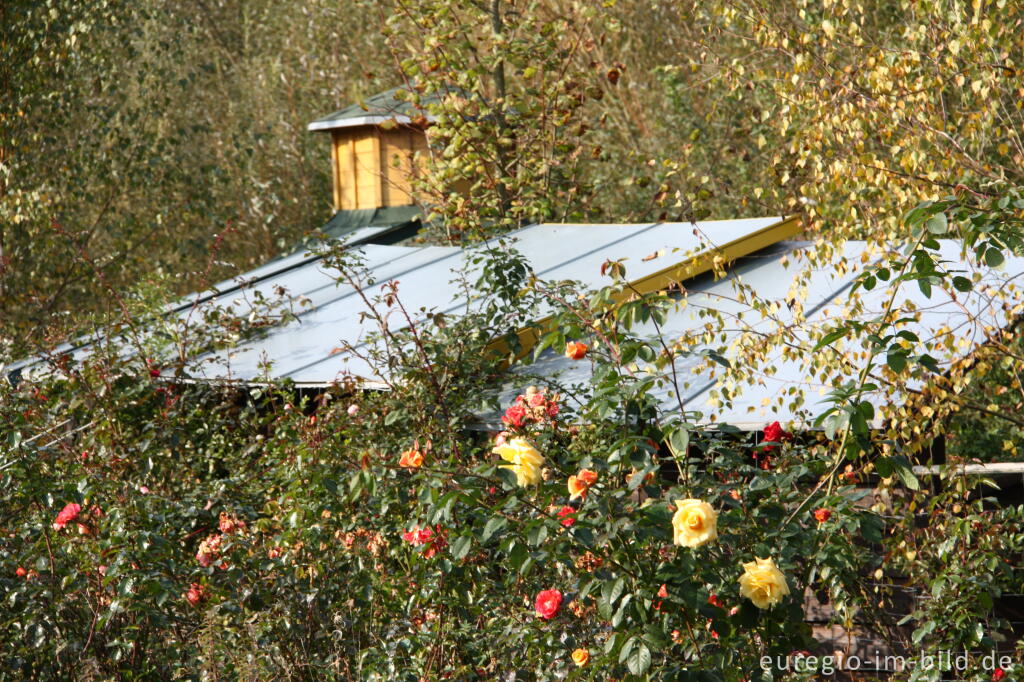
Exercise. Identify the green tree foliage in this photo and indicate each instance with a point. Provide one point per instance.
(162, 140)
(508, 85)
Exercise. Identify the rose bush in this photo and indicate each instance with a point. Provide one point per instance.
(590, 534)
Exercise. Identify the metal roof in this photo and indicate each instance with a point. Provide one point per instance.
(384, 106)
(306, 349)
(330, 316)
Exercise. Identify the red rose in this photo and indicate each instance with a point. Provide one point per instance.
(775, 434)
(548, 603)
(998, 674)
(435, 545)
(20, 572)
(822, 515)
(434, 540)
(66, 515)
(566, 515)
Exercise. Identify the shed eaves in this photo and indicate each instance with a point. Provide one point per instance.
(374, 110)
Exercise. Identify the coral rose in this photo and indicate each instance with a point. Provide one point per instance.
(411, 459)
(662, 592)
(525, 461)
(574, 350)
(695, 523)
(209, 550)
(822, 515)
(581, 482)
(195, 594)
(20, 572)
(763, 583)
(580, 657)
(548, 603)
(68, 514)
(514, 416)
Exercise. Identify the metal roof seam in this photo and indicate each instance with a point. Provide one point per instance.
(454, 307)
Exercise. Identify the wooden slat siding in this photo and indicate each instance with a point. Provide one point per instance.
(336, 188)
(403, 157)
(419, 151)
(396, 166)
(344, 171)
(366, 152)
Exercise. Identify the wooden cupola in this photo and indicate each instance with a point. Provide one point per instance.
(374, 150)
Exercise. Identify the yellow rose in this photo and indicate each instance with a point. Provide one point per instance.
(580, 657)
(525, 461)
(763, 583)
(695, 523)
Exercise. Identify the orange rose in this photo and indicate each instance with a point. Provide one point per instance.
(574, 350)
(411, 459)
(580, 657)
(581, 482)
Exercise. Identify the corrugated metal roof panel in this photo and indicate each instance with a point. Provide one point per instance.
(789, 390)
(555, 251)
